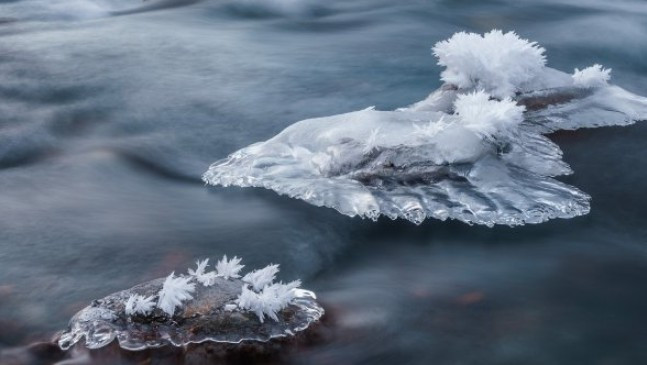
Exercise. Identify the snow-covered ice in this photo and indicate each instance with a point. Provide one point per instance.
(474, 150)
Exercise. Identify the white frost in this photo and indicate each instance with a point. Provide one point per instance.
(372, 140)
(499, 63)
(264, 297)
(431, 128)
(250, 300)
(593, 76)
(229, 268)
(488, 117)
(200, 274)
(175, 291)
(138, 304)
(269, 301)
(258, 279)
(278, 296)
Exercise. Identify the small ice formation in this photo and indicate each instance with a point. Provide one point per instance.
(498, 62)
(474, 150)
(594, 76)
(217, 306)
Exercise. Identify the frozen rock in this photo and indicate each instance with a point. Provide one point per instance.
(219, 311)
(473, 150)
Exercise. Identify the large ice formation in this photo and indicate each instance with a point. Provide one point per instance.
(216, 306)
(473, 150)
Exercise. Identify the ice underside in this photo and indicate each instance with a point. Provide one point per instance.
(204, 318)
(394, 163)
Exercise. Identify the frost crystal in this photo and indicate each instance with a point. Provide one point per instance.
(500, 63)
(431, 128)
(250, 300)
(488, 117)
(174, 291)
(258, 279)
(229, 268)
(138, 304)
(371, 141)
(204, 278)
(201, 267)
(277, 296)
(271, 300)
(593, 76)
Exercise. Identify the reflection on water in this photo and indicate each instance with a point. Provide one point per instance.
(107, 122)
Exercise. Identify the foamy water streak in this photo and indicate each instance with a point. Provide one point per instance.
(75, 10)
(472, 151)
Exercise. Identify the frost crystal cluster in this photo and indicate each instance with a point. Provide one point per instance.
(138, 304)
(258, 279)
(229, 268)
(264, 297)
(260, 294)
(175, 291)
(474, 150)
(488, 117)
(594, 76)
(224, 269)
(499, 63)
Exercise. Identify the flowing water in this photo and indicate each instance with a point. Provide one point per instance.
(110, 110)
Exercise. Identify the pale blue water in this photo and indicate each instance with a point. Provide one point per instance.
(107, 121)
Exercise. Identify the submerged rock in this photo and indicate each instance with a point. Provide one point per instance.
(202, 311)
(474, 150)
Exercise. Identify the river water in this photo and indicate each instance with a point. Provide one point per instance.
(110, 110)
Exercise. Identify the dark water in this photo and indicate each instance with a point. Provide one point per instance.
(109, 114)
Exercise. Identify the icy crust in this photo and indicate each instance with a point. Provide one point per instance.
(474, 150)
(214, 313)
(425, 170)
(573, 108)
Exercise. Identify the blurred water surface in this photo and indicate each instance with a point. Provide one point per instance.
(110, 110)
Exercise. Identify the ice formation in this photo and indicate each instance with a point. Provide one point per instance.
(175, 290)
(270, 300)
(174, 310)
(499, 63)
(202, 277)
(594, 76)
(229, 268)
(139, 305)
(474, 150)
(259, 279)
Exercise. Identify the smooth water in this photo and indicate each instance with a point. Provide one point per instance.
(110, 110)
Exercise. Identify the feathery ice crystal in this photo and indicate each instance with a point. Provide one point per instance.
(488, 117)
(269, 301)
(227, 310)
(499, 63)
(474, 150)
(138, 304)
(175, 291)
(229, 268)
(593, 76)
(200, 274)
(258, 279)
